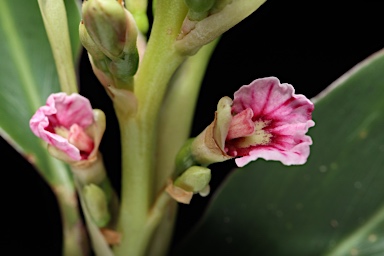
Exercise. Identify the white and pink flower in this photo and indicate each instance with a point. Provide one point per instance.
(270, 121)
(69, 124)
(266, 120)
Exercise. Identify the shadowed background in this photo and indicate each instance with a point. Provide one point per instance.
(306, 45)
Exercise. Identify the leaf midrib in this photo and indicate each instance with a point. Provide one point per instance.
(345, 246)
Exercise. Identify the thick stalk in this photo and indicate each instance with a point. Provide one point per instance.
(138, 132)
(177, 113)
(174, 128)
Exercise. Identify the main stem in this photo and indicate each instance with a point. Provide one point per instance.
(138, 132)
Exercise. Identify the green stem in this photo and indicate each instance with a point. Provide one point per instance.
(138, 132)
(162, 235)
(161, 206)
(74, 236)
(136, 188)
(180, 102)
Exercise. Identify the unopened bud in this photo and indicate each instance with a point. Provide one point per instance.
(200, 5)
(105, 21)
(138, 8)
(205, 191)
(89, 44)
(97, 204)
(184, 158)
(198, 9)
(195, 179)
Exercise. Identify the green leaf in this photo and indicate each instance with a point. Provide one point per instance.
(27, 77)
(333, 205)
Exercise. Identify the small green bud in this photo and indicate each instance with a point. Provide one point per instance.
(141, 21)
(106, 23)
(138, 8)
(200, 5)
(205, 191)
(195, 179)
(198, 9)
(97, 204)
(184, 158)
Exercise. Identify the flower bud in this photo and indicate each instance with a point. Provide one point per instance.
(109, 33)
(200, 5)
(205, 191)
(195, 179)
(97, 204)
(89, 44)
(105, 21)
(198, 9)
(138, 8)
(184, 158)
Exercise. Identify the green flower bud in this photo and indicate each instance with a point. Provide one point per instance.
(141, 21)
(105, 21)
(123, 69)
(205, 191)
(195, 179)
(138, 8)
(198, 9)
(184, 158)
(89, 44)
(200, 5)
(97, 204)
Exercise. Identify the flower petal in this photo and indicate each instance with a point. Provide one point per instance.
(296, 155)
(39, 123)
(69, 110)
(241, 125)
(271, 100)
(61, 110)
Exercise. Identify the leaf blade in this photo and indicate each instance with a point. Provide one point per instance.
(332, 205)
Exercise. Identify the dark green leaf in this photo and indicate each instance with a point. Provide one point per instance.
(333, 205)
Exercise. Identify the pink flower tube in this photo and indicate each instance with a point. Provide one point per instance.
(266, 120)
(64, 123)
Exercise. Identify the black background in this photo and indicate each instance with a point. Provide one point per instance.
(308, 45)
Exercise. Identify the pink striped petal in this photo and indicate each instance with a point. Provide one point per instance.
(282, 119)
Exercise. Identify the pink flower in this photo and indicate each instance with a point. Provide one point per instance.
(63, 123)
(265, 120)
(269, 121)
